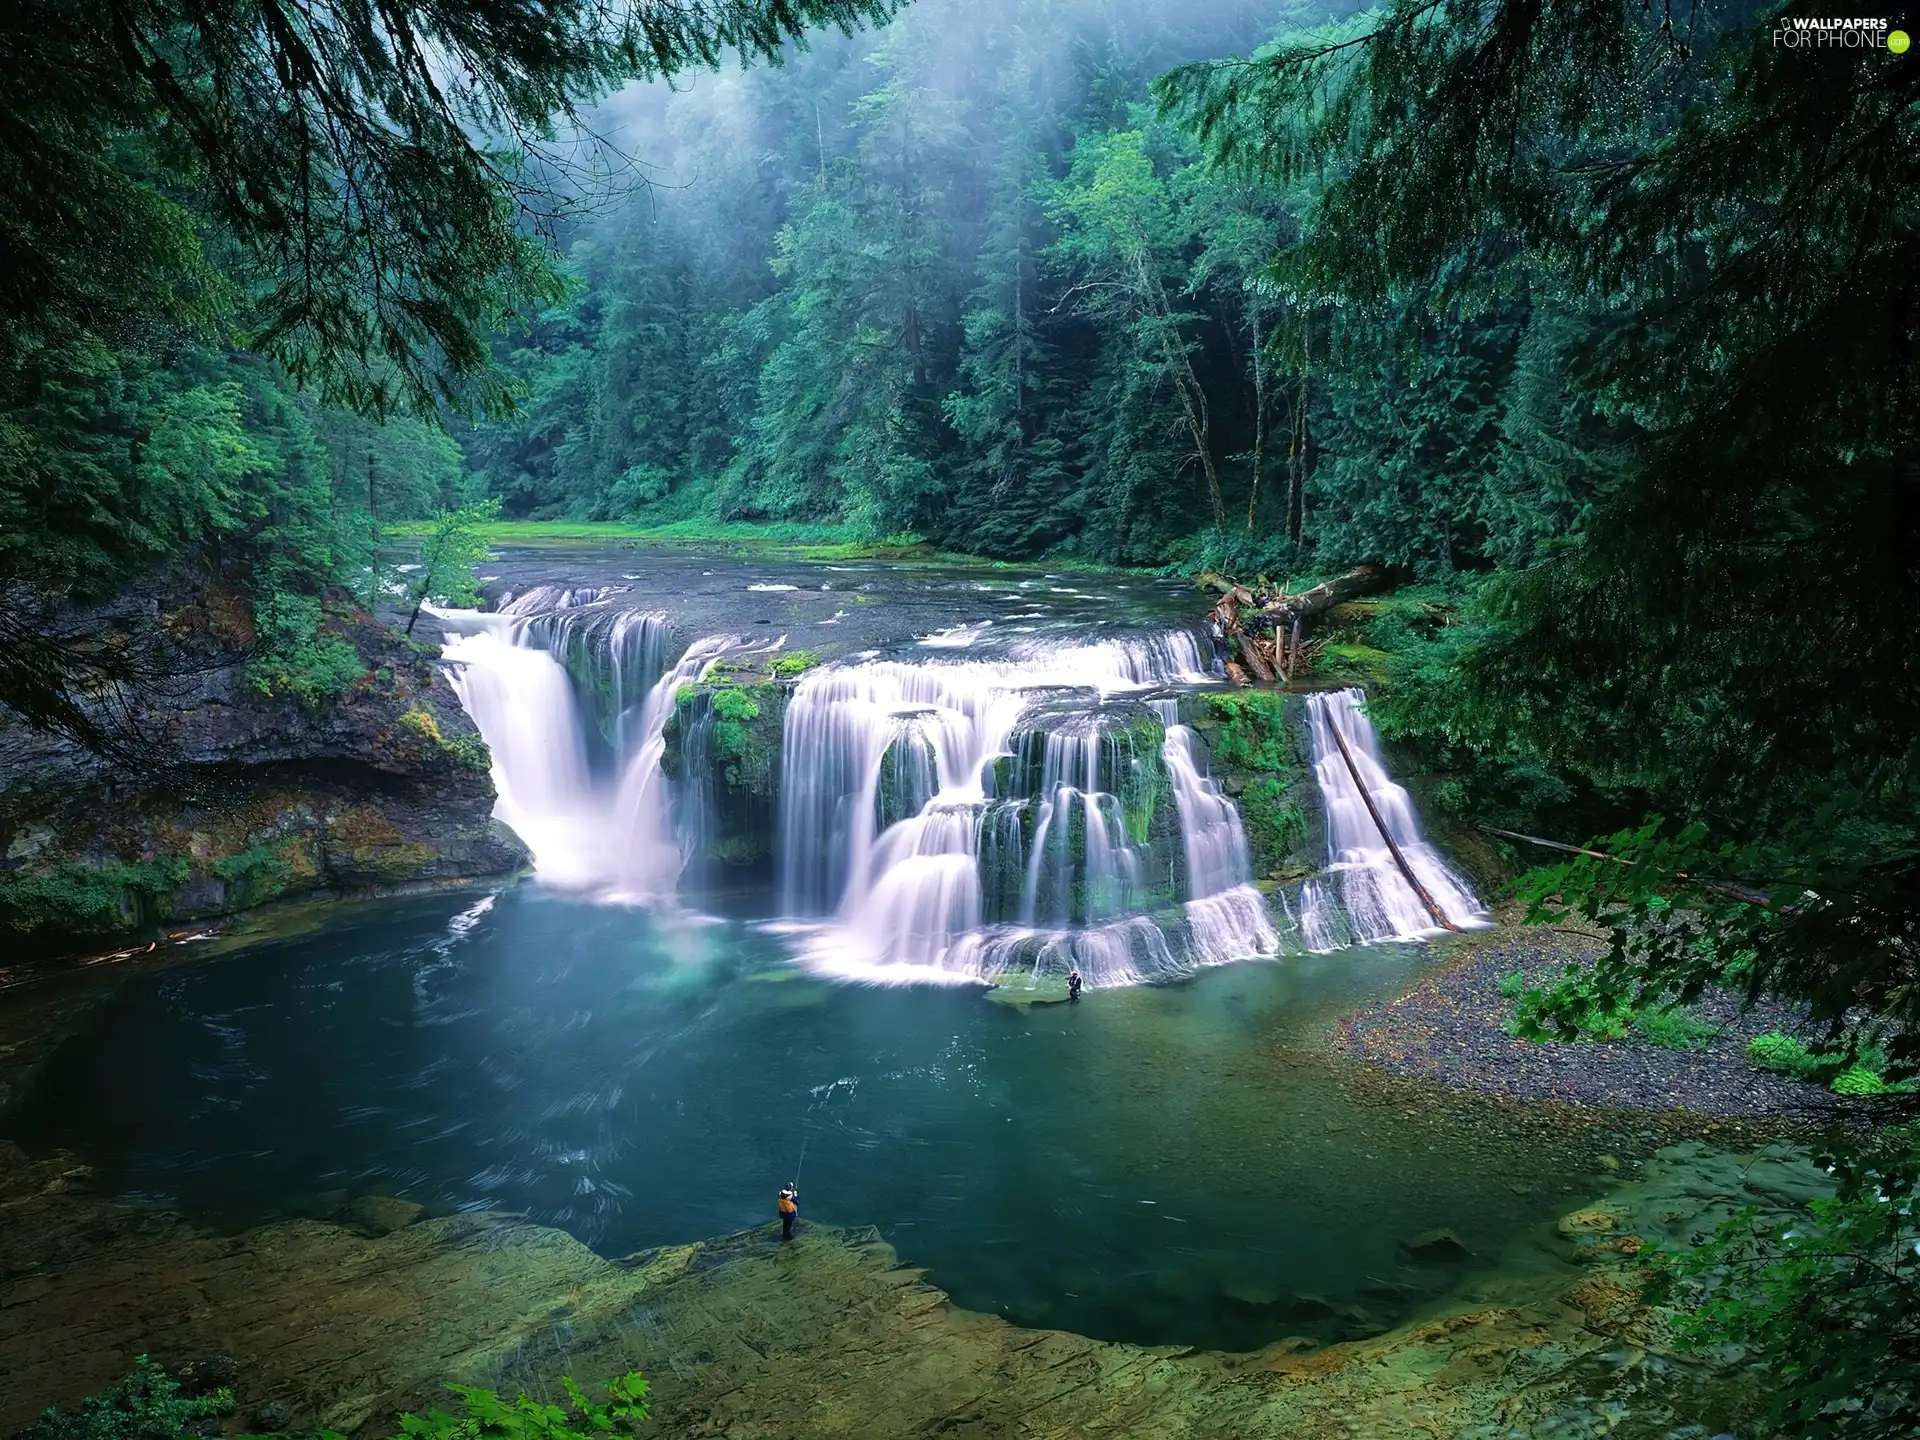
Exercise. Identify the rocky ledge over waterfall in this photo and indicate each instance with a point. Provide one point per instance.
(239, 797)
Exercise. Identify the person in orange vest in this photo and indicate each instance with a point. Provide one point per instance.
(789, 1210)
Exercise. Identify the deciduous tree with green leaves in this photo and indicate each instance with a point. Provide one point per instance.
(456, 543)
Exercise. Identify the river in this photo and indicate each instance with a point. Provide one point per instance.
(988, 778)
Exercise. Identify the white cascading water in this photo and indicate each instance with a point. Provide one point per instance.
(1227, 916)
(610, 831)
(947, 818)
(1364, 897)
(892, 832)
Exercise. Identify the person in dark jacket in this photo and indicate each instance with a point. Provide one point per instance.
(1073, 984)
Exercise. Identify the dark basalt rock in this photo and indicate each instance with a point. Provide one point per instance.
(240, 797)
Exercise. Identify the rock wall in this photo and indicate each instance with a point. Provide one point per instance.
(722, 747)
(1259, 752)
(247, 797)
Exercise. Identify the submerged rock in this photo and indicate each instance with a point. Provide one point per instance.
(741, 1336)
(381, 1214)
(1436, 1245)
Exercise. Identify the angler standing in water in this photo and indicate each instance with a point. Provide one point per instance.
(1073, 985)
(789, 1210)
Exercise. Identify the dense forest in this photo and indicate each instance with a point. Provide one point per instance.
(1599, 319)
(963, 279)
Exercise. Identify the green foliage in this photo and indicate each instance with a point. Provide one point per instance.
(1252, 734)
(1785, 1054)
(794, 662)
(1578, 1006)
(483, 1415)
(362, 201)
(734, 703)
(297, 655)
(88, 899)
(1859, 1072)
(1673, 1029)
(1581, 1006)
(146, 1405)
(257, 873)
(452, 547)
(1829, 1296)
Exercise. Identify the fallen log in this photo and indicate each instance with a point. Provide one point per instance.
(1719, 887)
(1284, 610)
(1380, 824)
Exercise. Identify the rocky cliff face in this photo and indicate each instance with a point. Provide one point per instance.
(248, 797)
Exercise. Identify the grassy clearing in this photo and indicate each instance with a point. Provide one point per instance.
(786, 539)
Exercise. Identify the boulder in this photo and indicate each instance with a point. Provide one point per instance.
(1594, 1221)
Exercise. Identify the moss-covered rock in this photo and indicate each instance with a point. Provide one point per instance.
(722, 751)
(1259, 752)
(253, 798)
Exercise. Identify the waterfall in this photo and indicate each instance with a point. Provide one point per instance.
(1364, 897)
(947, 819)
(1226, 915)
(975, 804)
(572, 697)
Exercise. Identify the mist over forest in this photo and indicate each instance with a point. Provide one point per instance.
(958, 279)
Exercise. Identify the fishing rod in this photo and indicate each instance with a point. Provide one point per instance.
(803, 1161)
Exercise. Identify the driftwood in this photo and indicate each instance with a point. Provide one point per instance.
(1262, 632)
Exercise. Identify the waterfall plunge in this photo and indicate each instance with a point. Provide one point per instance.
(589, 826)
(1364, 897)
(951, 819)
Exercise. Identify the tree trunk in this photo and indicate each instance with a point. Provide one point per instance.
(1362, 580)
(429, 562)
(1259, 412)
(1193, 398)
(1297, 463)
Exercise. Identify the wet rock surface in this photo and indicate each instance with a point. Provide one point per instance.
(245, 798)
(745, 1337)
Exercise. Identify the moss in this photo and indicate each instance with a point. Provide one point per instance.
(1251, 730)
(469, 752)
(734, 703)
(394, 862)
(1275, 822)
(1357, 662)
(89, 899)
(256, 874)
(794, 663)
(423, 723)
(363, 826)
(745, 849)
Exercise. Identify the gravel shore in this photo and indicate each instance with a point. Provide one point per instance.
(1450, 1028)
